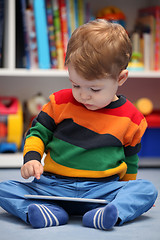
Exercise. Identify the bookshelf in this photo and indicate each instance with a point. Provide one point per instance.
(24, 83)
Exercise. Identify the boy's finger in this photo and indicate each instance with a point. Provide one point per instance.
(37, 173)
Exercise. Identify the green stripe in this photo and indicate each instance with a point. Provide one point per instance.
(40, 131)
(71, 156)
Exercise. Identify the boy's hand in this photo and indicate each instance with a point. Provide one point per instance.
(32, 168)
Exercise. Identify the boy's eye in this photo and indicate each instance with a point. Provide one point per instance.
(95, 90)
(76, 86)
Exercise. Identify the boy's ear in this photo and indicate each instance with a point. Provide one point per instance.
(122, 77)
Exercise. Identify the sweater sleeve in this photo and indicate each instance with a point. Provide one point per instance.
(131, 151)
(39, 135)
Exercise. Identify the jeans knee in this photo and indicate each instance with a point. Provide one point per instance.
(149, 189)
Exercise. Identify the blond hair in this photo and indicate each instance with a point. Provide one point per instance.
(99, 49)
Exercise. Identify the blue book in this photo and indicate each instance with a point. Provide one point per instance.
(42, 34)
(25, 33)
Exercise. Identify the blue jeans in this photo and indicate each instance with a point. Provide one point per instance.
(131, 198)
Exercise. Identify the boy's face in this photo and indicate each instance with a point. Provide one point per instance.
(93, 94)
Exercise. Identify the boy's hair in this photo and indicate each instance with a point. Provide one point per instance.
(99, 49)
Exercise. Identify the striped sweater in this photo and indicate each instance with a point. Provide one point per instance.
(82, 143)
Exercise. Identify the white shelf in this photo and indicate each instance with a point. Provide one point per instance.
(144, 74)
(33, 73)
(11, 160)
(63, 73)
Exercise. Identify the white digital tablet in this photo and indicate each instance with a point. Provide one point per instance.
(71, 199)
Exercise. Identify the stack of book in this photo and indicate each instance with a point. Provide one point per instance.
(43, 28)
(148, 28)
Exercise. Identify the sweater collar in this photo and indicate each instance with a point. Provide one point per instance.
(118, 103)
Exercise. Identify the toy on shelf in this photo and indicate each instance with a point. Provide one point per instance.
(136, 63)
(32, 107)
(150, 140)
(144, 105)
(11, 124)
(112, 14)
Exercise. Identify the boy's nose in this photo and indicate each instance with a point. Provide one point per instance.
(85, 95)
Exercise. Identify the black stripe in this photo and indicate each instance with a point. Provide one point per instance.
(44, 119)
(32, 155)
(118, 103)
(80, 136)
(129, 151)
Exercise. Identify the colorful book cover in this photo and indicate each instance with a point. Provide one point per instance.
(58, 35)
(32, 36)
(51, 34)
(64, 25)
(42, 34)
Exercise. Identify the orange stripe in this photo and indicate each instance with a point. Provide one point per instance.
(52, 166)
(106, 124)
(102, 125)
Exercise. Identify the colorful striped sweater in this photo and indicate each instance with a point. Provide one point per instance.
(82, 143)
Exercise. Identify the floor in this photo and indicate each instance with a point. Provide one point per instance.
(145, 227)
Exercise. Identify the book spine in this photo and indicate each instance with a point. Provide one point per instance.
(58, 35)
(42, 34)
(1, 29)
(68, 18)
(72, 15)
(51, 34)
(157, 40)
(81, 18)
(76, 13)
(25, 33)
(64, 25)
(146, 50)
(32, 36)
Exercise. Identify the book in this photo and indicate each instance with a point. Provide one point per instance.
(72, 20)
(81, 12)
(71, 199)
(149, 22)
(68, 18)
(58, 34)
(42, 34)
(26, 34)
(146, 50)
(64, 24)
(32, 40)
(51, 34)
(2, 5)
(20, 45)
(155, 12)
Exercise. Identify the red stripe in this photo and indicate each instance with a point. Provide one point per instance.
(126, 110)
